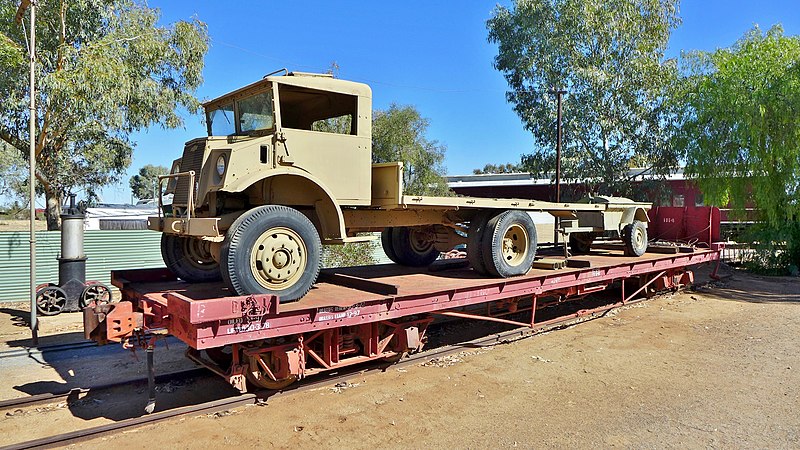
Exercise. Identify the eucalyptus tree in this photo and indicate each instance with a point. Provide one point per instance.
(609, 57)
(145, 183)
(104, 69)
(741, 134)
(399, 134)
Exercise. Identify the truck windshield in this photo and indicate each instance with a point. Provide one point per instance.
(255, 112)
(221, 121)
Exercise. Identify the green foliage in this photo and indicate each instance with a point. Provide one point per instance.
(353, 254)
(499, 168)
(105, 69)
(13, 174)
(609, 57)
(145, 183)
(741, 133)
(398, 134)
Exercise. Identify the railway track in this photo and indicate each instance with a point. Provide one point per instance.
(258, 396)
(49, 397)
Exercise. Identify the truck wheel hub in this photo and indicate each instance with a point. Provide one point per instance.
(515, 245)
(278, 258)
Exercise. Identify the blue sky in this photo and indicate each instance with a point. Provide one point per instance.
(433, 55)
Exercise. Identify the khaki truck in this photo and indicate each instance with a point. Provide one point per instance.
(255, 199)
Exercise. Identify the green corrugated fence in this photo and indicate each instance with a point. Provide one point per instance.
(107, 250)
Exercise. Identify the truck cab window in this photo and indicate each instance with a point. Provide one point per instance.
(313, 110)
(255, 112)
(221, 121)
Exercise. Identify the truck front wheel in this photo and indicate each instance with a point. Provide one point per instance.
(189, 258)
(271, 250)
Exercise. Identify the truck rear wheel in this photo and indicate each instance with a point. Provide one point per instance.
(189, 258)
(509, 244)
(412, 247)
(634, 235)
(271, 250)
(474, 239)
(386, 243)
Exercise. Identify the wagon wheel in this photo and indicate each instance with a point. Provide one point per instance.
(95, 293)
(394, 358)
(261, 370)
(50, 300)
(222, 356)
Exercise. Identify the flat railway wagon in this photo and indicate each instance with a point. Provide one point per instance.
(359, 314)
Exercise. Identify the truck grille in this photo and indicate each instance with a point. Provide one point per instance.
(192, 160)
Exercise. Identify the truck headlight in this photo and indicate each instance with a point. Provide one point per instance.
(221, 165)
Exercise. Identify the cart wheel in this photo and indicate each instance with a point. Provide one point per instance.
(386, 243)
(50, 300)
(95, 293)
(474, 239)
(412, 247)
(634, 235)
(271, 250)
(509, 244)
(581, 243)
(261, 369)
(189, 258)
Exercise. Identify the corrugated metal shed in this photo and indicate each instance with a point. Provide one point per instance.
(107, 250)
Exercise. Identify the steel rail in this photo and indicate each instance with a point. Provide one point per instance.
(51, 396)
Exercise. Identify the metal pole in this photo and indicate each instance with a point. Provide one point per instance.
(559, 93)
(24, 4)
(34, 319)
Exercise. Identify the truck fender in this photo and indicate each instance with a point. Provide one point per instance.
(309, 191)
(633, 213)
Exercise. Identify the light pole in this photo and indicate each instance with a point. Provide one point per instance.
(32, 138)
(559, 93)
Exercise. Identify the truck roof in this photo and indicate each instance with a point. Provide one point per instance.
(321, 81)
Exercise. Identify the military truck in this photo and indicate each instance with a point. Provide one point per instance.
(255, 199)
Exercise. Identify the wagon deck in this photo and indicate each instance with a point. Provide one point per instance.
(206, 315)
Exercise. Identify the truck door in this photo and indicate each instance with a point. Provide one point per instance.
(318, 133)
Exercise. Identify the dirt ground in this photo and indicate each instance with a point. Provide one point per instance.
(718, 367)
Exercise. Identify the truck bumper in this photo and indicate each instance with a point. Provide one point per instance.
(207, 227)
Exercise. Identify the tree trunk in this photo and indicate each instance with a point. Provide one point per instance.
(53, 211)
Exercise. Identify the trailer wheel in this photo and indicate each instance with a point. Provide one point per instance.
(271, 249)
(634, 235)
(412, 247)
(509, 244)
(581, 243)
(477, 226)
(189, 258)
(386, 243)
